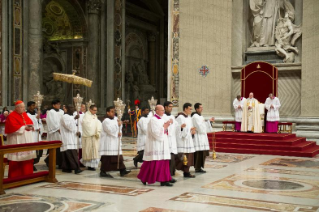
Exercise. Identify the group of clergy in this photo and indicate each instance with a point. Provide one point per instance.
(85, 140)
(77, 130)
(248, 114)
(166, 143)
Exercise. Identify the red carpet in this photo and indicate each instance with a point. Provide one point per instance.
(264, 144)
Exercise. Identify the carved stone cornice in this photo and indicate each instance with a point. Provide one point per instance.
(94, 6)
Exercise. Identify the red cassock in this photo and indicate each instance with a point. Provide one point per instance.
(13, 123)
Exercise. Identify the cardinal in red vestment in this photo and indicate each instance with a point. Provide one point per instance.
(19, 129)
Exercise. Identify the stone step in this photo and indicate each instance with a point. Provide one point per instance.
(308, 134)
(307, 127)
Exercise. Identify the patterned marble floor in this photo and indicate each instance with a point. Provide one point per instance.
(233, 182)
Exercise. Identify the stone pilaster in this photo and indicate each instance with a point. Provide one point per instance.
(35, 47)
(93, 49)
(110, 53)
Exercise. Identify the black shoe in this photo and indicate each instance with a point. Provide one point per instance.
(166, 184)
(81, 165)
(34, 168)
(78, 171)
(143, 183)
(59, 167)
(124, 172)
(104, 174)
(173, 181)
(200, 171)
(91, 169)
(135, 163)
(67, 170)
(189, 175)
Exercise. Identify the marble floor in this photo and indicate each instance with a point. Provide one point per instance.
(233, 182)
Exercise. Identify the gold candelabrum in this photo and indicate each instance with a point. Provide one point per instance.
(152, 102)
(89, 103)
(38, 98)
(214, 142)
(77, 103)
(214, 146)
(119, 108)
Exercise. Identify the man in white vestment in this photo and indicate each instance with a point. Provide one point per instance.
(155, 167)
(168, 106)
(184, 139)
(272, 104)
(111, 145)
(251, 120)
(53, 123)
(141, 135)
(238, 104)
(19, 129)
(37, 128)
(79, 125)
(201, 143)
(69, 134)
(91, 131)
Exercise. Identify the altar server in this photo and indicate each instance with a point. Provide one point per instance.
(69, 146)
(238, 104)
(79, 124)
(168, 106)
(141, 135)
(111, 145)
(53, 123)
(201, 143)
(272, 104)
(36, 133)
(184, 137)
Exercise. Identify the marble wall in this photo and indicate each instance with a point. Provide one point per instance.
(310, 61)
(205, 39)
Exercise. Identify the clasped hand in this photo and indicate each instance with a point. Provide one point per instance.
(193, 130)
(29, 127)
(166, 125)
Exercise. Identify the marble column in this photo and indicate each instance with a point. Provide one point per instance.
(161, 59)
(25, 73)
(4, 52)
(35, 47)
(152, 58)
(110, 53)
(93, 50)
(103, 54)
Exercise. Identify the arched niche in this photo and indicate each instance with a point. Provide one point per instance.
(53, 89)
(63, 20)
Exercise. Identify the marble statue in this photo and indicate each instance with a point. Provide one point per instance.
(286, 35)
(256, 7)
(266, 14)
